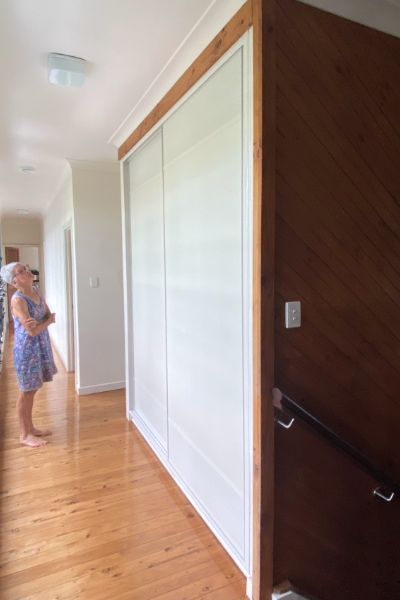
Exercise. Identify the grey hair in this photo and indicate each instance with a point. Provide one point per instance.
(7, 272)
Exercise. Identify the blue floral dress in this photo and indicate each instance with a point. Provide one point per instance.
(33, 356)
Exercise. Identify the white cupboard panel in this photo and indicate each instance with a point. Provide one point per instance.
(148, 287)
(222, 504)
(215, 103)
(203, 187)
(204, 302)
(188, 257)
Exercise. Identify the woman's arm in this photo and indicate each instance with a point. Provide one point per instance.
(48, 312)
(33, 327)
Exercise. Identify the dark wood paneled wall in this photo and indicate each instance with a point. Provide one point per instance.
(264, 101)
(338, 225)
(335, 540)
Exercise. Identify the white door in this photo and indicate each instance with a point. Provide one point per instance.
(146, 214)
(203, 183)
(189, 248)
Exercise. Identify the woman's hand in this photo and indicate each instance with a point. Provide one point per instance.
(30, 322)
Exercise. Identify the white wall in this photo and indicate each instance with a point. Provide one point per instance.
(29, 255)
(59, 214)
(24, 233)
(98, 254)
(21, 231)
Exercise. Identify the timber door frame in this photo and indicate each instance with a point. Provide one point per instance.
(69, 295)
(259, 14)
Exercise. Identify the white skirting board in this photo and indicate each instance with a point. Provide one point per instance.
(103, 387)
(288, 596)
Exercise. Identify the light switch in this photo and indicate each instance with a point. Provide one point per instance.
(292, 314)
(94, 282)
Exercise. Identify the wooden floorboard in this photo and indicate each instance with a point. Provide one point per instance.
(93, 515)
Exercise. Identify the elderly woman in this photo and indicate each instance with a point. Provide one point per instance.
(33, 357)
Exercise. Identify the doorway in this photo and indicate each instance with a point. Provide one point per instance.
(69, 298)
(27, 255)
(11, 255)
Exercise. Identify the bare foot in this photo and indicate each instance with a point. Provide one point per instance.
(32, 441)
(41, 431)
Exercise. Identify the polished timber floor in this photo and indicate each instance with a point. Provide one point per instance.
(93, 515)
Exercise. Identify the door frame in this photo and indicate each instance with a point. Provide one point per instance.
(69, 295)
(18, 246)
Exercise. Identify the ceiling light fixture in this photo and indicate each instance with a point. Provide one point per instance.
(66, 70)
(22, 211)
(28, 169)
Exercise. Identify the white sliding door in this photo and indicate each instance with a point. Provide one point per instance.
(189, 241)
(203, 187)
(148, 288)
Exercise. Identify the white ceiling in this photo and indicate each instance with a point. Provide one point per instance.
(127, 45)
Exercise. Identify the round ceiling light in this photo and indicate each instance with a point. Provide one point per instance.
(28, 169)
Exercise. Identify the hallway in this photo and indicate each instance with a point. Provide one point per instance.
(94, 515)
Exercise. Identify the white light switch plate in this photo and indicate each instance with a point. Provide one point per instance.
(292, 314)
